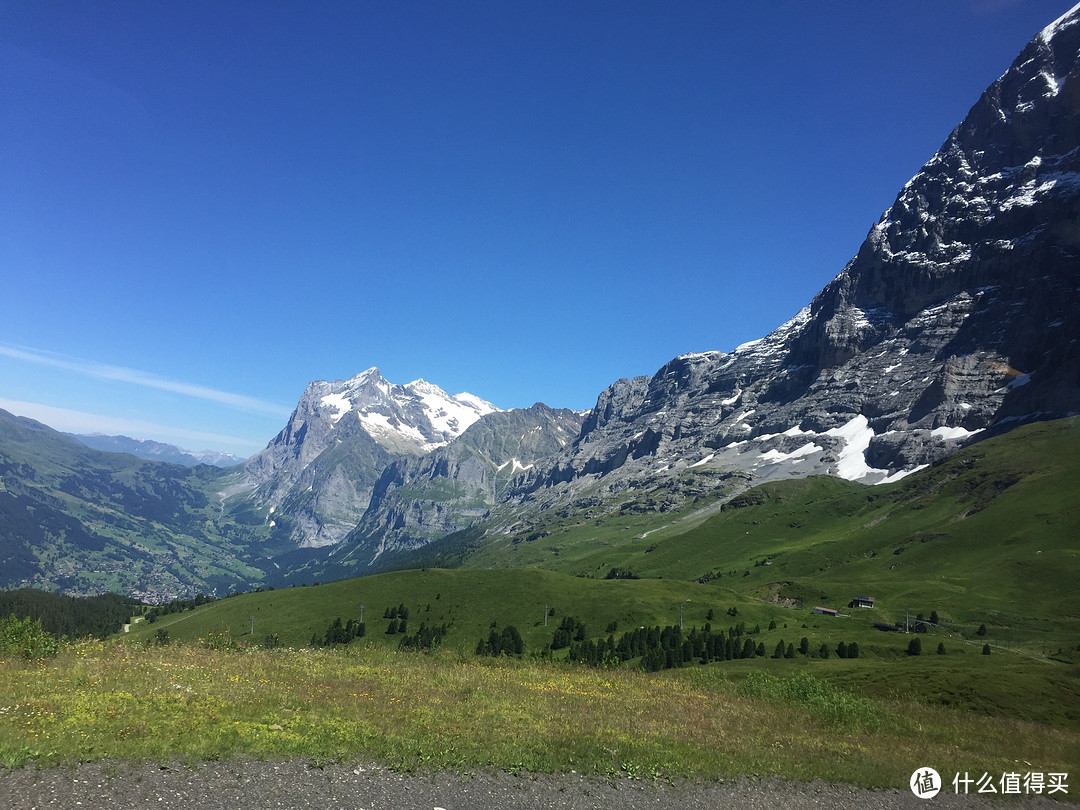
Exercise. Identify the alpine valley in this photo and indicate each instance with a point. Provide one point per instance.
(955, 323)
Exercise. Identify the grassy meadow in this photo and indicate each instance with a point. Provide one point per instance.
(192, 703)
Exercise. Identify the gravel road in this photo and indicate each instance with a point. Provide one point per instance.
(242, 785)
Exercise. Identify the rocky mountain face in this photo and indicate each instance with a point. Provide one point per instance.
(958, 316)
(417, 500)
(319, 471)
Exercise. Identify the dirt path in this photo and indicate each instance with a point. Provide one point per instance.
(238, 785)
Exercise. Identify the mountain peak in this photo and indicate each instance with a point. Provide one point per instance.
(1066, 20)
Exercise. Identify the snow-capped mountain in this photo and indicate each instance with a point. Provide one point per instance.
(319, 470)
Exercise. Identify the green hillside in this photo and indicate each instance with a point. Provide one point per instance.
(85, 521)
(468, 601)
(990, 535)
(985, 543)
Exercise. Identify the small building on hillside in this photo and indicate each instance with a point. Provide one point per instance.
(824, 611)
(862, 601)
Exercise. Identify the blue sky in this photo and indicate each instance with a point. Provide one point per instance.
(206, 205)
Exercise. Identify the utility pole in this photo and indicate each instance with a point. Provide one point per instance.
(362, 613)
(252, 625)
(546, 608)
(907, 625)
(680, 615)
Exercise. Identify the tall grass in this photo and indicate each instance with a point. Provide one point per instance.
(447, 711)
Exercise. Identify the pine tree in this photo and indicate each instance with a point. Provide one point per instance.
(841, 650)
(914, 647)
(780, 649)
(941, 648)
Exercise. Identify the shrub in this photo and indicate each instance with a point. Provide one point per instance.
(26, 639)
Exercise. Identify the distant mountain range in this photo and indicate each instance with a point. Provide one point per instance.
(957, 319)
(157, 451)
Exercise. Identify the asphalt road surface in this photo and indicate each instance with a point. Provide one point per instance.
(243, 785)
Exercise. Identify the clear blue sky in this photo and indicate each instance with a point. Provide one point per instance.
(206, 205)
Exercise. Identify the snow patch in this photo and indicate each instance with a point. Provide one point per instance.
(380, 423)
(896, 476)
(953, 433)
(339, 402)
(775, 456)
(516, 466)
(856, 435)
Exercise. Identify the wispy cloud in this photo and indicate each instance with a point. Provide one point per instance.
(102, 371)
(72, 421)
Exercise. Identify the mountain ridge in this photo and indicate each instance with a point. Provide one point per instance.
(157, 451)
(950, 320)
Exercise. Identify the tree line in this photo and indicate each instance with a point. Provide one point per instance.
(670, 647)
(74, 617)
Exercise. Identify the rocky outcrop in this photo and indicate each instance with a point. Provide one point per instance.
(419, 499)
